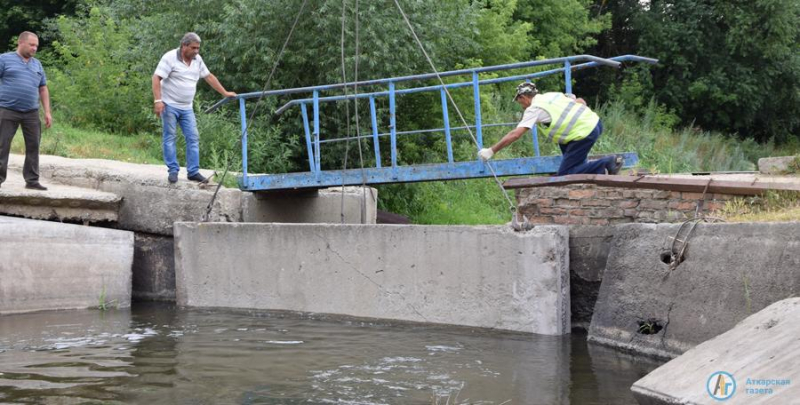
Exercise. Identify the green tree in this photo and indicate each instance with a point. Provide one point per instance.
(560, 28)
(93, 80)
(732, 66)
(24, 15)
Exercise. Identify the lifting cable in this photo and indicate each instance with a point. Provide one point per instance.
(358, 126)
(207, 215)
(513, 208)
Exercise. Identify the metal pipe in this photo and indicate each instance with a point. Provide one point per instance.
(576, 58)
(568, 77)
(446, 118)
(311, 161)
(375, 143)
(243, 119)
(393, 128)
(476, 94)
(418, 131)
(526, 77)
(316, 132)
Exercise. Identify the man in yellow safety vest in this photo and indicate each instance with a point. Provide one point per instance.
(563, 119)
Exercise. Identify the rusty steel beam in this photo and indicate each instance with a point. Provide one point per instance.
(755, 187)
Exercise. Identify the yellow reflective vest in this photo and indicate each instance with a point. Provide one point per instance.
(570, 120)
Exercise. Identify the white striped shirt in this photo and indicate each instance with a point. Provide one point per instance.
(179, 81)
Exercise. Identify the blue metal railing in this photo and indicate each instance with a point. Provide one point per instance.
(396, 173)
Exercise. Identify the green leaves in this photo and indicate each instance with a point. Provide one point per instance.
(92, 77)
(728, 66)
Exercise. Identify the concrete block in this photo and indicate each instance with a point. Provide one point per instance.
(59, 202)
(759, 358)
(588, 252)
(153, 268)
(48, 265)
(150, 203)
(778, 165)
(729, 272)
(155, 209)
(323, 206)
(489, 277)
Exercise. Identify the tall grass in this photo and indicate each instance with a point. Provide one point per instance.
(69, 141)
(665, 150)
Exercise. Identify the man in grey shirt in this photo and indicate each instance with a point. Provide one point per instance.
(174, 86)
(22, 86)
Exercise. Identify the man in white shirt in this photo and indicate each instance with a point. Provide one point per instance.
(174, 86)
(575, 130)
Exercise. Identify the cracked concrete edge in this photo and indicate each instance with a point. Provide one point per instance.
(632, 348)
(60, 213)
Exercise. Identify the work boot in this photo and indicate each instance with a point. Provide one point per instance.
(198, 178)
(173, 177)
(35, 186)
(617, 165)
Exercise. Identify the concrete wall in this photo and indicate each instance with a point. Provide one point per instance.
(488, 277)
(47, 265)
(761, 354)
(730, 271)
(323, 206)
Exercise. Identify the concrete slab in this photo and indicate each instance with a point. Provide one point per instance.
(489, 277)
(47, 265)
(730, 271)
(150, 204)
(59, 202)
(757, 361)
(778, 165)
(323, 206)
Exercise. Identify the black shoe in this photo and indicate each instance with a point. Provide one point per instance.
(618, 162)
(35, 186)
(173, 177)
(198, 178)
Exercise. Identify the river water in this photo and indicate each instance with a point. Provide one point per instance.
(157, 354)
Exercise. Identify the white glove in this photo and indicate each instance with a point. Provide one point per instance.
(486, 154)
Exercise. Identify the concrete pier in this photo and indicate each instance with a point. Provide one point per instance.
(48, 265)
(754, 363)
(729, 272)
(489, 277)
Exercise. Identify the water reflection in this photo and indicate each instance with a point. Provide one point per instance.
(157, 354)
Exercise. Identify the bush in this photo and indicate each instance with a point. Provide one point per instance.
(92, 78)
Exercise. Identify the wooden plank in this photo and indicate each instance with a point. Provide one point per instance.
(656, 183)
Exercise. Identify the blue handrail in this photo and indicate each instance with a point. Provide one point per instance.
(314, 143)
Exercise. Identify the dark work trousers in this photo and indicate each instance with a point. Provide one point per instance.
(10, 120)
(574, 154)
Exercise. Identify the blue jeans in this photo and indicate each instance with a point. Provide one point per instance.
(170, 118)
(574, 156)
